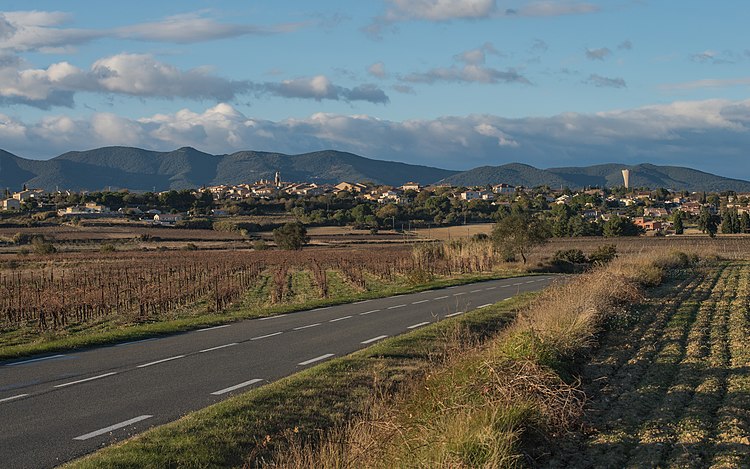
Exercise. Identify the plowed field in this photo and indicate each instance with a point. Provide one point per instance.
(670, 384)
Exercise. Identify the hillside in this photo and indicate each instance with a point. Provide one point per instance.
(605, 175)
(144, 170)
(141, 170)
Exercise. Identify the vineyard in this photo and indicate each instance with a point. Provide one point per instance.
(671, 386)
(75, 289)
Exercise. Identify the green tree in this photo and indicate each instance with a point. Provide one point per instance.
(621, 226)
(518, 233)
(679, 228)
(707, 222)
(744, 222)
(292, 236)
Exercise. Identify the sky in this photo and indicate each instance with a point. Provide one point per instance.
(449, 83)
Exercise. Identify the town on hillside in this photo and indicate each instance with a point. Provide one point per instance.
(587, 212)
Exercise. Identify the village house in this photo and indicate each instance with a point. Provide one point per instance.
(347, 186)
(167, 218)
(655, 212)
(411, 186)
(504, 189)
(648, 225)
(11, 204)
(470, 195)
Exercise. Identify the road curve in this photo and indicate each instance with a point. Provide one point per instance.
(58, 407)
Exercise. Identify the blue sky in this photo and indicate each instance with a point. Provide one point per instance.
(448, 83)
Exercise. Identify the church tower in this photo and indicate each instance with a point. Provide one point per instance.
(277, 179)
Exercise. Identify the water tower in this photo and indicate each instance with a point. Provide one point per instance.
(626, 178)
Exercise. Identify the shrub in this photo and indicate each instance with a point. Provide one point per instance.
(22, 238)
(190, 247)
(603, 254)
(109, 247)
(292, 236)
(260, 245)
(40, 246)
(569, 256)
(195, 224)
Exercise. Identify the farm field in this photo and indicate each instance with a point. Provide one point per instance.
(670, 386)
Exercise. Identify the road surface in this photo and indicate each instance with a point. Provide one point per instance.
(58, 407)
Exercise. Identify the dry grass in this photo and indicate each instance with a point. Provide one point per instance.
(481, 406)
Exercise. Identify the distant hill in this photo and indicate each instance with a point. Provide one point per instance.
(604, 175)
(144, 170)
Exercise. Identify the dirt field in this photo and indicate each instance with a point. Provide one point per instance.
(670, 387)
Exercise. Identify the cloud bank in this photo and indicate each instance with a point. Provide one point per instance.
(710, 135)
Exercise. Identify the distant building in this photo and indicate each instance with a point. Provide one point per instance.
(411, 186)
(626, 178)
(11, 204)
(167, 218)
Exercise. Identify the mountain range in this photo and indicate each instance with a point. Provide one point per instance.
(144, 170)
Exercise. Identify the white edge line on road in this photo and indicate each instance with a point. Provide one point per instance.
(397, 306)
(419, 302)
(484, 306)
(369, 312)
(362, 302)
(418, 325)
(266, 336)
(235, 387)
(306, 327)
(490, 288)
(34, 360)
(320, 309)
(454, 314)
(84, 380)
(217, 348)
(475, 291)
(440, 297)
(397, 296)
(459, 294)
(12, 398)
(374, 339)
(339, 319)
(272, 317)
(212, 328)
(112, 427)
(160, 361)
(316, 359)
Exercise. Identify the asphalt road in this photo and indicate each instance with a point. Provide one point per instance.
(58, 407)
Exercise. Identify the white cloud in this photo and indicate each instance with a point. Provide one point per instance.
(439, 10)
(554, 8)
(477, 56)
(319, 87)
(130, 74)
(681, 133)
(377, 70)
(195, 27)
(44, 31)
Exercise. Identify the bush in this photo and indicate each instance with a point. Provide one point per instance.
(22, 238)
(569, 256)
(109, 247)
(292, 236)
(603, 254)
(40, 246)
(260, 245)
(195, 224)
(190, 247)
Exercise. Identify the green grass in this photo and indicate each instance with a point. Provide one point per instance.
(254, 305)
(261, 421)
